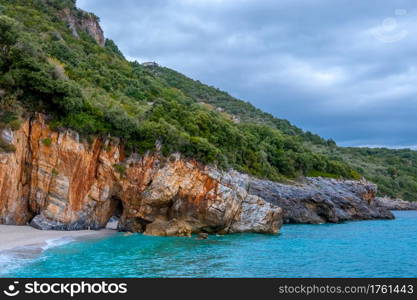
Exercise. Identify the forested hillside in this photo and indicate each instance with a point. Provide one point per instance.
(54, 60)
(395, 171)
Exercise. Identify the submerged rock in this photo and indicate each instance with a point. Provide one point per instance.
(203, 236)
(395, 204)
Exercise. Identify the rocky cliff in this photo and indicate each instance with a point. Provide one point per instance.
(395, 204)
(79, 20)
(320, 200)
(55, 181)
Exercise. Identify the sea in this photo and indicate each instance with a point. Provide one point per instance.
(352, 249)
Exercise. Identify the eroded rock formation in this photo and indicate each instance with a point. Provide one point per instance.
(55, 181)
(83, 21)
(395, 204)
(320, 200)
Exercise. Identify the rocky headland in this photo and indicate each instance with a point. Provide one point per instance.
(53, 180)
(395, 204)
(319, 200)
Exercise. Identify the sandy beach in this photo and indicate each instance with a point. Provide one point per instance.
(19, 236)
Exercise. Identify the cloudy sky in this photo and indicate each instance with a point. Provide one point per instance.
(344, 69)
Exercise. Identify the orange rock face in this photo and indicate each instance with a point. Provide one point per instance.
(55, 181)
(14, 180)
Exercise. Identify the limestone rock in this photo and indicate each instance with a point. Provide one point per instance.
(395, 204)
(83, 21)
(321, 200)
(203, 236)
(169, 228)
(7, 136)
(174, 188)
(15, 180)
(54, 181)
(258, 216)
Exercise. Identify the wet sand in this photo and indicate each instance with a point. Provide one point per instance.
(20, 236)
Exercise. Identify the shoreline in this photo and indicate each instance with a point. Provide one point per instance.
(13, 237)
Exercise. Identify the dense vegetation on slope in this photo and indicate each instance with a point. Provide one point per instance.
(395, 171)
(245, 111)
(94, 90)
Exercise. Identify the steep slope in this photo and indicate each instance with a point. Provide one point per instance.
(86, 136)
(57, 182)
(235, 109)
(395, 171)
(54, 181)
(54, 61)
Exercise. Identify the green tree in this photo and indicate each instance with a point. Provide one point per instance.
(8, 37)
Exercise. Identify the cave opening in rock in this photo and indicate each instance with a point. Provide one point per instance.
(117, 212)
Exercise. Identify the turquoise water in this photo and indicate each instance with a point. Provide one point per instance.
(354, 249)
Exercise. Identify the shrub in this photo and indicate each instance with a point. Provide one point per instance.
(58, 69)
(55, 172)
(47, 142)
(6, 147)
(15, 124)
(120, 168)
(8, 34)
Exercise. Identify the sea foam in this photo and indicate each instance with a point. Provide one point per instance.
(52, 243)
(12, 260)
